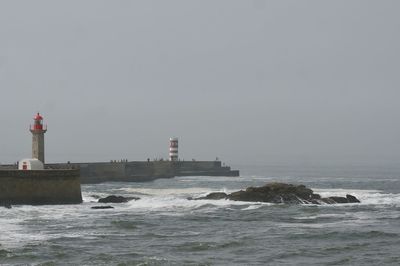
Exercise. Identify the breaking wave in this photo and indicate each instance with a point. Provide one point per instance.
(367, 197)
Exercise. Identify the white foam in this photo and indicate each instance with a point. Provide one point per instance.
(367, 197)
(88, 198)
(255, 207)
(175, 200)
(13, 234)
(346, 215)
(209, 179)
(176, 204)
(168, 191)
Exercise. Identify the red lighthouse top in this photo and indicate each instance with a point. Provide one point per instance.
(38, 124)
(38, 117)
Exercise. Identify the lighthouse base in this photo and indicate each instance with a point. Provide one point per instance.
(40, 187)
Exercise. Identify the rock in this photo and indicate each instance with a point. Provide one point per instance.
(352, 199)
(332, 200)
(347, 199)
(116, 199)
(328, 201)
(214, 196)
(275, 193)
(280, 193)
(102, 207)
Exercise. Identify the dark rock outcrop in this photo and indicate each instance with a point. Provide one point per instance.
(102, 207)
(117, 199)
(280, 193)
(214, 196)
(276, 193)
(352, 199)
(347, 199)
(332, 200)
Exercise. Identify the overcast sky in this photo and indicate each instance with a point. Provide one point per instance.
(247, 81)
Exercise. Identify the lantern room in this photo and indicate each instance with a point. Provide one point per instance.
(38, 123)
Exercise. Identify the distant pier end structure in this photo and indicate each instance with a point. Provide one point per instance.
(38, 130)
(173, 149)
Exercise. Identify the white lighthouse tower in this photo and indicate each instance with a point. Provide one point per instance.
(173, 149)
(38, 131)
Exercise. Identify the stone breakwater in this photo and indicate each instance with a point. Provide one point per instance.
(39, 187)
(280, 193)
(142, 171)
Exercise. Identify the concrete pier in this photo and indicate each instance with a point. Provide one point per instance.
(38, 187)
(139, 171)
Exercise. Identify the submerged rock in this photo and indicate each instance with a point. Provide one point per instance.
(347, 199)
(214, 196)
(102, 207)
(280, 193)
(117, 199)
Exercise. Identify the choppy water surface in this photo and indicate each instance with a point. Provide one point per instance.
(164, 228)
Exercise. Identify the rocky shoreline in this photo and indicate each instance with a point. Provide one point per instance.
(271, 193)
(280, 193)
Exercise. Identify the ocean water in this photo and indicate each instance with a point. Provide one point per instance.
(165, 228)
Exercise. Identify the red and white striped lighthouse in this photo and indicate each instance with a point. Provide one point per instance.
(38, 130)
(173, 149)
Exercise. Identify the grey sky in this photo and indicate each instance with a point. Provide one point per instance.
(248, 81)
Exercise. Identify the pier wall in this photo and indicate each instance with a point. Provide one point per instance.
(36, 187)
(139, 171)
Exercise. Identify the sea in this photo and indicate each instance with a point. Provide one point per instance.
(164, 227)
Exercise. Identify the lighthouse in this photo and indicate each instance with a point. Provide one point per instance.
(173, 149)
(38, 131)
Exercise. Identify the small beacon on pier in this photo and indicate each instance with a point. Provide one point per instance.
(173, 149)
(38, 130)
